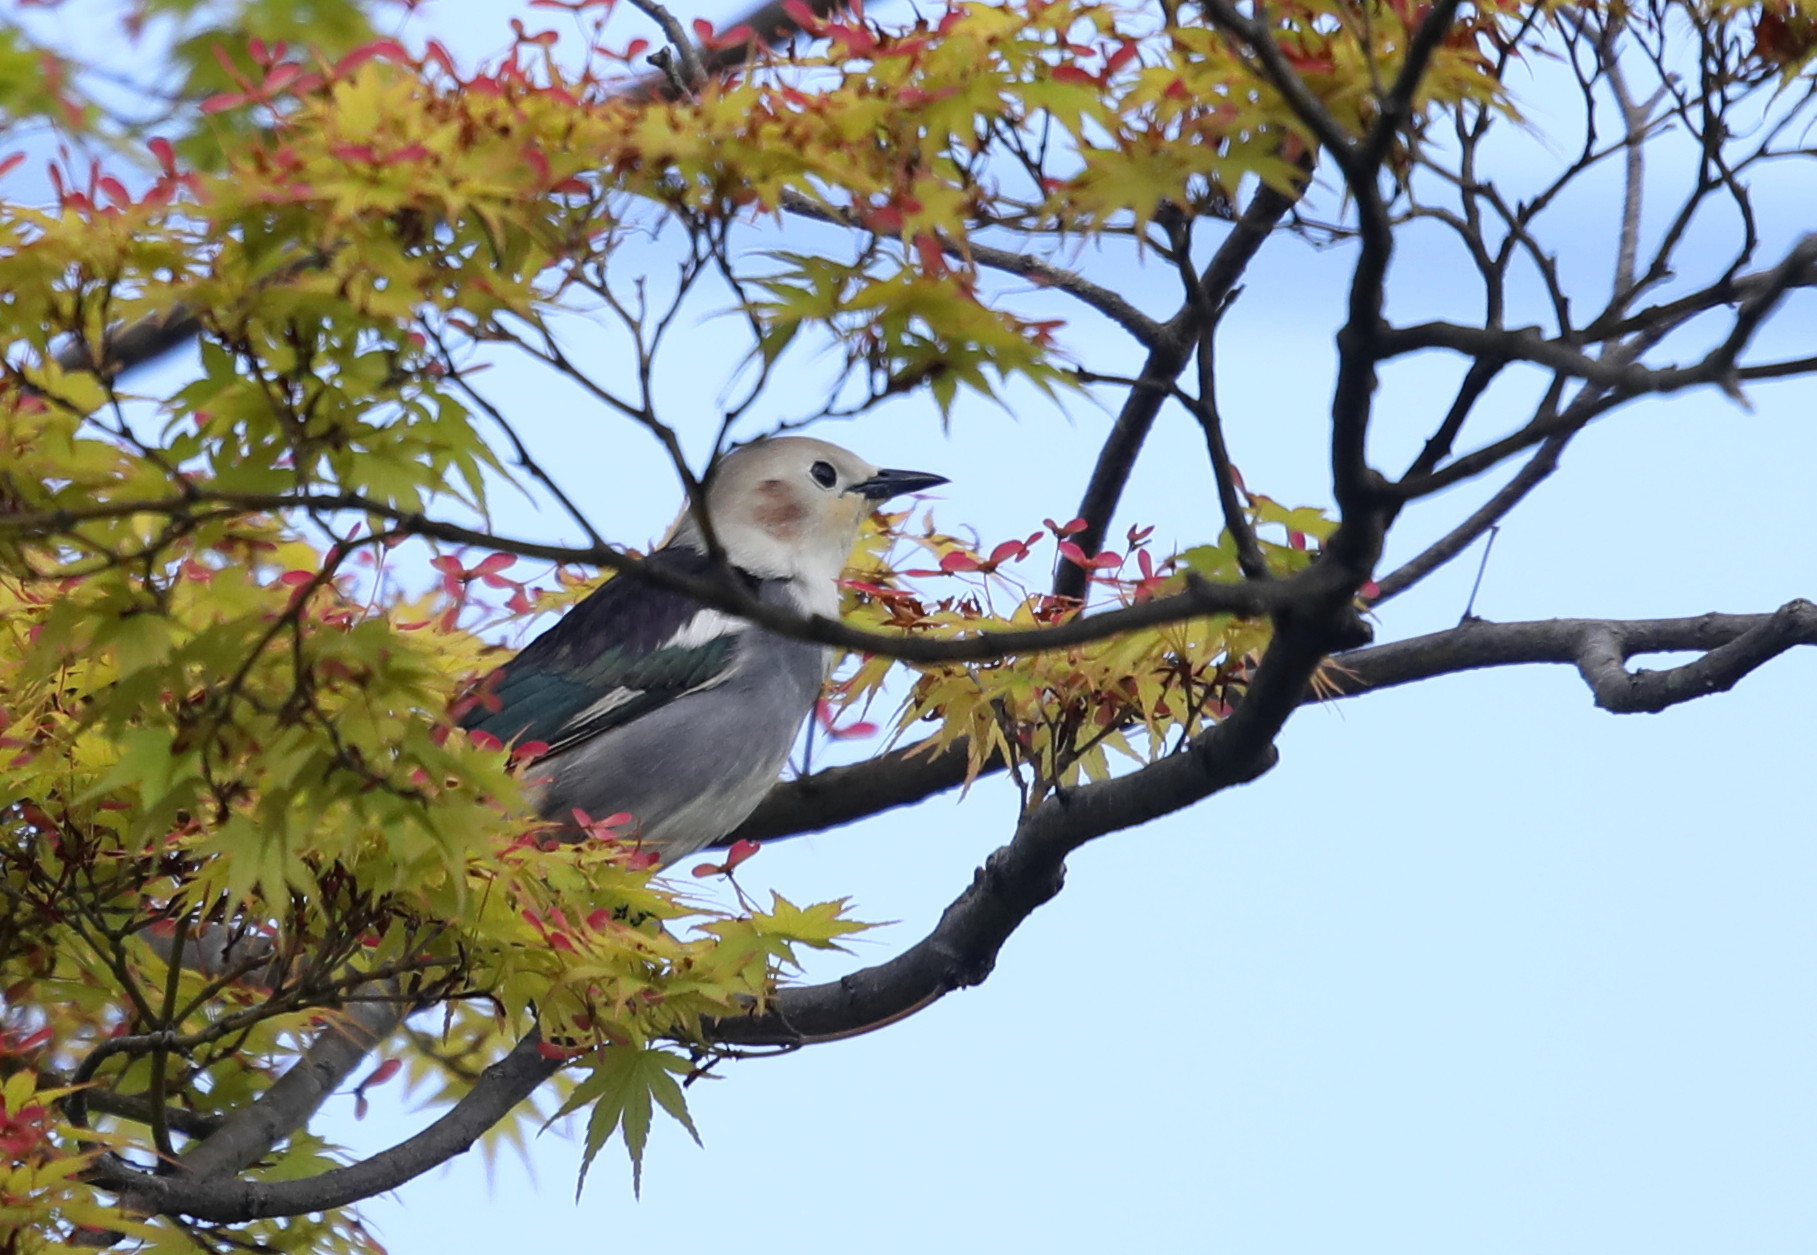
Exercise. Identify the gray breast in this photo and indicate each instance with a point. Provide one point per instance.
(692, 771)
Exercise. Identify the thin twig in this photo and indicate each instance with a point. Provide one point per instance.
(691, 73)
(1482, 569)
(1535, 472)
(1166, 359)
(1249, 554)
(1024, 265)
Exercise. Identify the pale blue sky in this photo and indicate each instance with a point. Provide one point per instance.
(1476, 968)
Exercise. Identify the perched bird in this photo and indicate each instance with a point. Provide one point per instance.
(680, 714)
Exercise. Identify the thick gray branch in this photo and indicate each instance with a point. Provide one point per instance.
(1014, 881)
(845, 795)
(1603, 654)
(1477, 644)
(134, 344)
(229, 1200)
(1019, 877)
(1022, 875)
(248, 1134)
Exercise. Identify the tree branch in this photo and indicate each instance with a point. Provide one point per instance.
(1477, 644)
(228, 1200)
(248, 1133)
(771, 26)
(1271, 65)
(145, 340)
(690, 75)
(1107, 302)
(141, 1109)
(1757, 295)
(1476, 381)
(1200, 597)
(1634, 124)
(1027, 872)
(1249, 554)
(1727, 292)
(1603, 653)
(1167, 357)
(1024, 265)
(1538, 469)
(1616, 376)
(134, 344)
(1018, 878)
(845, 795)
(1513, 344)
(152, 336)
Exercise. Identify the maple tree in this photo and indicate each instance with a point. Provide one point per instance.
(242, 843)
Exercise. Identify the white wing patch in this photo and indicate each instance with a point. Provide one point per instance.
(706, 625)
(605, 705)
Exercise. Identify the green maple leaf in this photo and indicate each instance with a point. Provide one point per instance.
(819, 925)
(624, 1087)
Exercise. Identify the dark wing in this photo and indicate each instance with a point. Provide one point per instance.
(628, 649)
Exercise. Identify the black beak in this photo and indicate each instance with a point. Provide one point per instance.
(886, 484)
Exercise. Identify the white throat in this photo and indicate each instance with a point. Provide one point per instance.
(809, 571)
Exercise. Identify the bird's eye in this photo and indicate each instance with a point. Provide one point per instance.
(824, 474)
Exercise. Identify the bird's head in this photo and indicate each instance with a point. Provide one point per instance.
(789, 507)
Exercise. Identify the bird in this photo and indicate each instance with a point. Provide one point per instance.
(653, 704)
